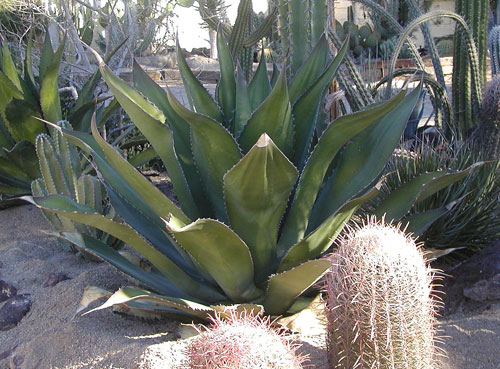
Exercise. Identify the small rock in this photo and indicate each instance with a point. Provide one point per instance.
(484, 290)
(54, 278)
(473, 283)
(6, 291)
(13, 311)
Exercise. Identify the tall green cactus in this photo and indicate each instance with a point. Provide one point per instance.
(62, 173)
(301, 24)
(476, 14)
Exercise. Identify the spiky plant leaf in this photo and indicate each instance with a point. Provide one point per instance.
(256, 192)
(198, 97)
(260, 87)
(221, 253)
(273, 117)
(285, 287)
(214, 149)
(312, 177)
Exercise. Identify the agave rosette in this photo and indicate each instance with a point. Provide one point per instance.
(263, 186)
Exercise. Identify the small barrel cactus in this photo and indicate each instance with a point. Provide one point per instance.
(242, 341)
(379, 307)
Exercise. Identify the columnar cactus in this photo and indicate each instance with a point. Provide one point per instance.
(494, 46)
(243, 341)
(476, 13)
(380, 313)
(61, 173)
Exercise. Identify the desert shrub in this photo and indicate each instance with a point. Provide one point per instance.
(379, 310)
(473, 222)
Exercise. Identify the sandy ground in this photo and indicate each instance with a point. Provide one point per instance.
(50, 336)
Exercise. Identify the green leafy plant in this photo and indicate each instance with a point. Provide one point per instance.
(262, 188)
(473, 222)
(62, 172)
(379, 307)
(27, 98)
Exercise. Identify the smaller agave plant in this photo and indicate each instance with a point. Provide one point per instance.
(264, 186)
(25, 98)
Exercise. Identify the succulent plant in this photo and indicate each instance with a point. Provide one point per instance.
(379, 307)
(465, 102)
(23, 99)
(243, 341)
(237, 162)
(62, 173)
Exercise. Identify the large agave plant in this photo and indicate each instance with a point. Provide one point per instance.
(263, 189)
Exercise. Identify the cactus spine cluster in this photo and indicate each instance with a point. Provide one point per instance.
(476, 14)
(62, 173)
(242, 341)
(380, 313)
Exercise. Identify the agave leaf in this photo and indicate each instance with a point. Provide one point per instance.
(143, 157)
(87, 92)
(198, 97)
(46, 56)
(215, 152)
(9, 68)
(243, 106)
(318, 241)
(107, 253)
(150, 120)
(24, 157)
(273, 117)
(306, 110)
(310, 320)
(400, 201)
(80, 117)
(171, 265)
(256, 192)
(38, 190)
(11, 174)
(90, 295)
(363, 159)
(226, 89)
(49, 88)
(311, 179)
(152, 301)
(182, 136)
(28, 63)
(285, 287)
(310, 71)
(221, 253)
(274, 75)
(433, 254)
(260, 87)
(21, 120)
(123, 177)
